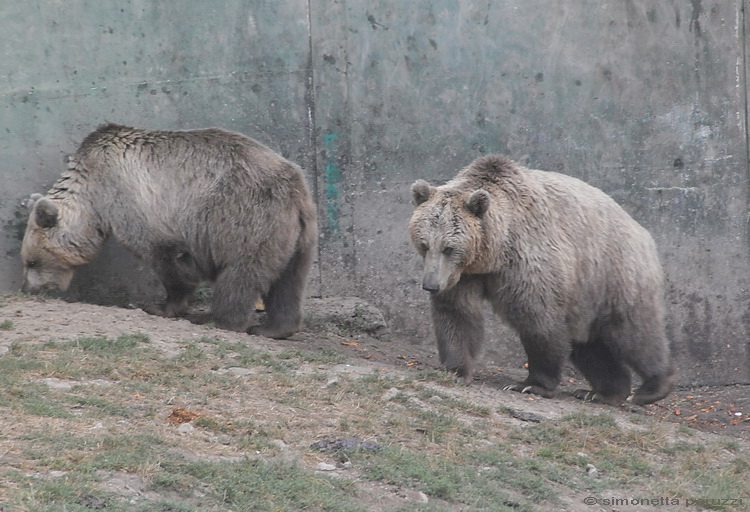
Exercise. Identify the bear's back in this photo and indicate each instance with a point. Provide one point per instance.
(157, 183)
(583, 207)
(583, 239)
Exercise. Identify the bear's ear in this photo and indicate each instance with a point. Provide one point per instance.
(31, 201)
(421, 191)
(45, 213)
(478, 202)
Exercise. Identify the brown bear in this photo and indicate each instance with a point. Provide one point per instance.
(560, 262)
(197, 205)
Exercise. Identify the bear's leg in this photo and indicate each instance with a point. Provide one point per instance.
(284, 299)
(546, 358)
(651, 360)
(459, 326)
(607, 373)
(177, 302)
(178, 273)
(234, 294)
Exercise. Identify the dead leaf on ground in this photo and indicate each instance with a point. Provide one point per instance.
(180, 415)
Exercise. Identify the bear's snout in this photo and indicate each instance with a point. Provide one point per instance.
(430, 286)
(47, 290)
(432, 275)
(438, 274)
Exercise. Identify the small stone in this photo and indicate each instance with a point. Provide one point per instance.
(415, 496)
(323, 466)
(185, 428)
(528, 416)
(390, 394)
(281, 445)
(222, 439)
(592, 471)
(345, 444)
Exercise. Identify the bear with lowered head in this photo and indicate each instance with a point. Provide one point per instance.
(196, 205)
(560, 262)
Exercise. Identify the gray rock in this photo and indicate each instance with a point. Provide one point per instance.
(345, 316)
(185, 429)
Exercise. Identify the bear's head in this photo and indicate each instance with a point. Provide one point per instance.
(46, 265)
(446, 229)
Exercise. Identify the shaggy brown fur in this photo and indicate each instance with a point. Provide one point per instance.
(560, 262)
(197, 205)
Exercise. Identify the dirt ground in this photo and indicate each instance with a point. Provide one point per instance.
(358, 331)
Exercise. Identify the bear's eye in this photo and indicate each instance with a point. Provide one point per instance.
(423, 247)
(31, 263)
(448, 251)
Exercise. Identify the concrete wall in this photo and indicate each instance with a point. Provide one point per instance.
(646, 100)
(68, 66)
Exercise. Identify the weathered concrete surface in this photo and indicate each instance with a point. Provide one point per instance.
(646, 100)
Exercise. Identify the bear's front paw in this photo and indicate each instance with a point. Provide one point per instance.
(464, 375)
(523, 387)
(586, 395)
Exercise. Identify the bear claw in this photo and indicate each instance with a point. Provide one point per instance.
(530, 389)
(517, 387)
(586, 395)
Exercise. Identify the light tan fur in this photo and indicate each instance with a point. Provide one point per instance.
(197, 205)
(559, 261)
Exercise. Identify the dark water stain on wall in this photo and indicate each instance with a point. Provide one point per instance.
(14, 229)
(697, 326)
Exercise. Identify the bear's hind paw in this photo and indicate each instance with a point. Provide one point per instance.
(531, 389)
(278, 334)
(589, 395)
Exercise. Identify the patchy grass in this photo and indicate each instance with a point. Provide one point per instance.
(187, 483)
(92, 424)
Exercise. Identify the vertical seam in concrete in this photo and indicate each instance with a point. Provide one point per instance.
(744, 93)
(348, 147)
(743, 78)
(312, 123)
(743, 34)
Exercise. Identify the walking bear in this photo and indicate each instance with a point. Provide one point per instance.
(560, 262)
(197, 205)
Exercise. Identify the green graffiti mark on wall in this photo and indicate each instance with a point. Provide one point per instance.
(332, 177)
